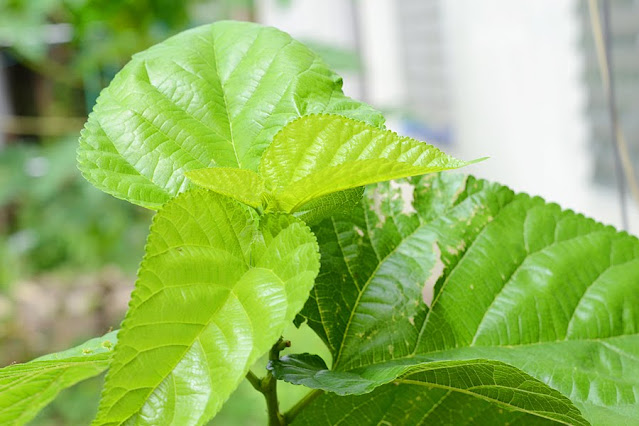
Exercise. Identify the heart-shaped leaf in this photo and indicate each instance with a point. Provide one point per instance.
(217, 287)
(213, 96)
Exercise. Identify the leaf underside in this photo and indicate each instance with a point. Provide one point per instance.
(217, 287)
(470, 270)
(213, 96)
(27, 388)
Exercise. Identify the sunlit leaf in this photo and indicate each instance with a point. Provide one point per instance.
(217, 287)
(245, 186)
(27, 388)
(213, 96)
(320, 154)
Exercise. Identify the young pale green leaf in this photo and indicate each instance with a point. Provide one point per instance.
(216, 288)
(516, 393)
(213, 96)
(320, 154)
(27, 388)
(471, 270)
(245, 186)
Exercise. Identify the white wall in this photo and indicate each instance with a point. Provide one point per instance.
(516, 80)
(519, 98)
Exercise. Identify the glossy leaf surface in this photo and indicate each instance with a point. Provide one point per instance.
(471, 270)
(217, 287)
(213, 96)
(317, 155)
(27, 388)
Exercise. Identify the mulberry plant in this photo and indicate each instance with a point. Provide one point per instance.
(463, 303)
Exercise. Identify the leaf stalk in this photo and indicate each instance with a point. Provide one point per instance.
(267, 386)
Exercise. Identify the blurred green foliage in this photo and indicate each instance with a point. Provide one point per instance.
(102, 34)
(50, 217)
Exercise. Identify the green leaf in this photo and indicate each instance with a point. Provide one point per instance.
(513, 391)
(470, 270)
(320, 154)
(213, 96)
(216, 288)
(413, 404)
(27, 388)
(245, 186)
(321, 208)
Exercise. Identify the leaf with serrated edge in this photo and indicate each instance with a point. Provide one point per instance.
(215, 290)
(27, 388)
(320, 154)
(492, 381)
(212, 96)
(548, 291)
(245, 186)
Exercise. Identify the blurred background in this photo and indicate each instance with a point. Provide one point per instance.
(519, 81)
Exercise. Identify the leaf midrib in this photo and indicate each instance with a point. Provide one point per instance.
(484, 397)
(196, 337)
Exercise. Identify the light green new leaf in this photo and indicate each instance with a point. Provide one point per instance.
(471, 270)
(213, 96)
(27, 388)
(517, 395)
(217, 287)
(320, 154)
(245, 186)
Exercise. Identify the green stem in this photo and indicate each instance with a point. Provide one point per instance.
(267, 386)
(254, 380)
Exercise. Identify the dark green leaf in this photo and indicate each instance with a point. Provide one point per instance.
(471, 270)
(516, 394)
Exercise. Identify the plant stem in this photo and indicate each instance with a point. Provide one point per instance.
(267, 386)
(254, 380)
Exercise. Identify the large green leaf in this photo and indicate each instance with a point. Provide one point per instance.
(213, 96)
(317, 155)
(515, 395)
(26, 388)
(216, 288)
(471, 270)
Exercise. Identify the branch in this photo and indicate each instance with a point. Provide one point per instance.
(267, 386)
